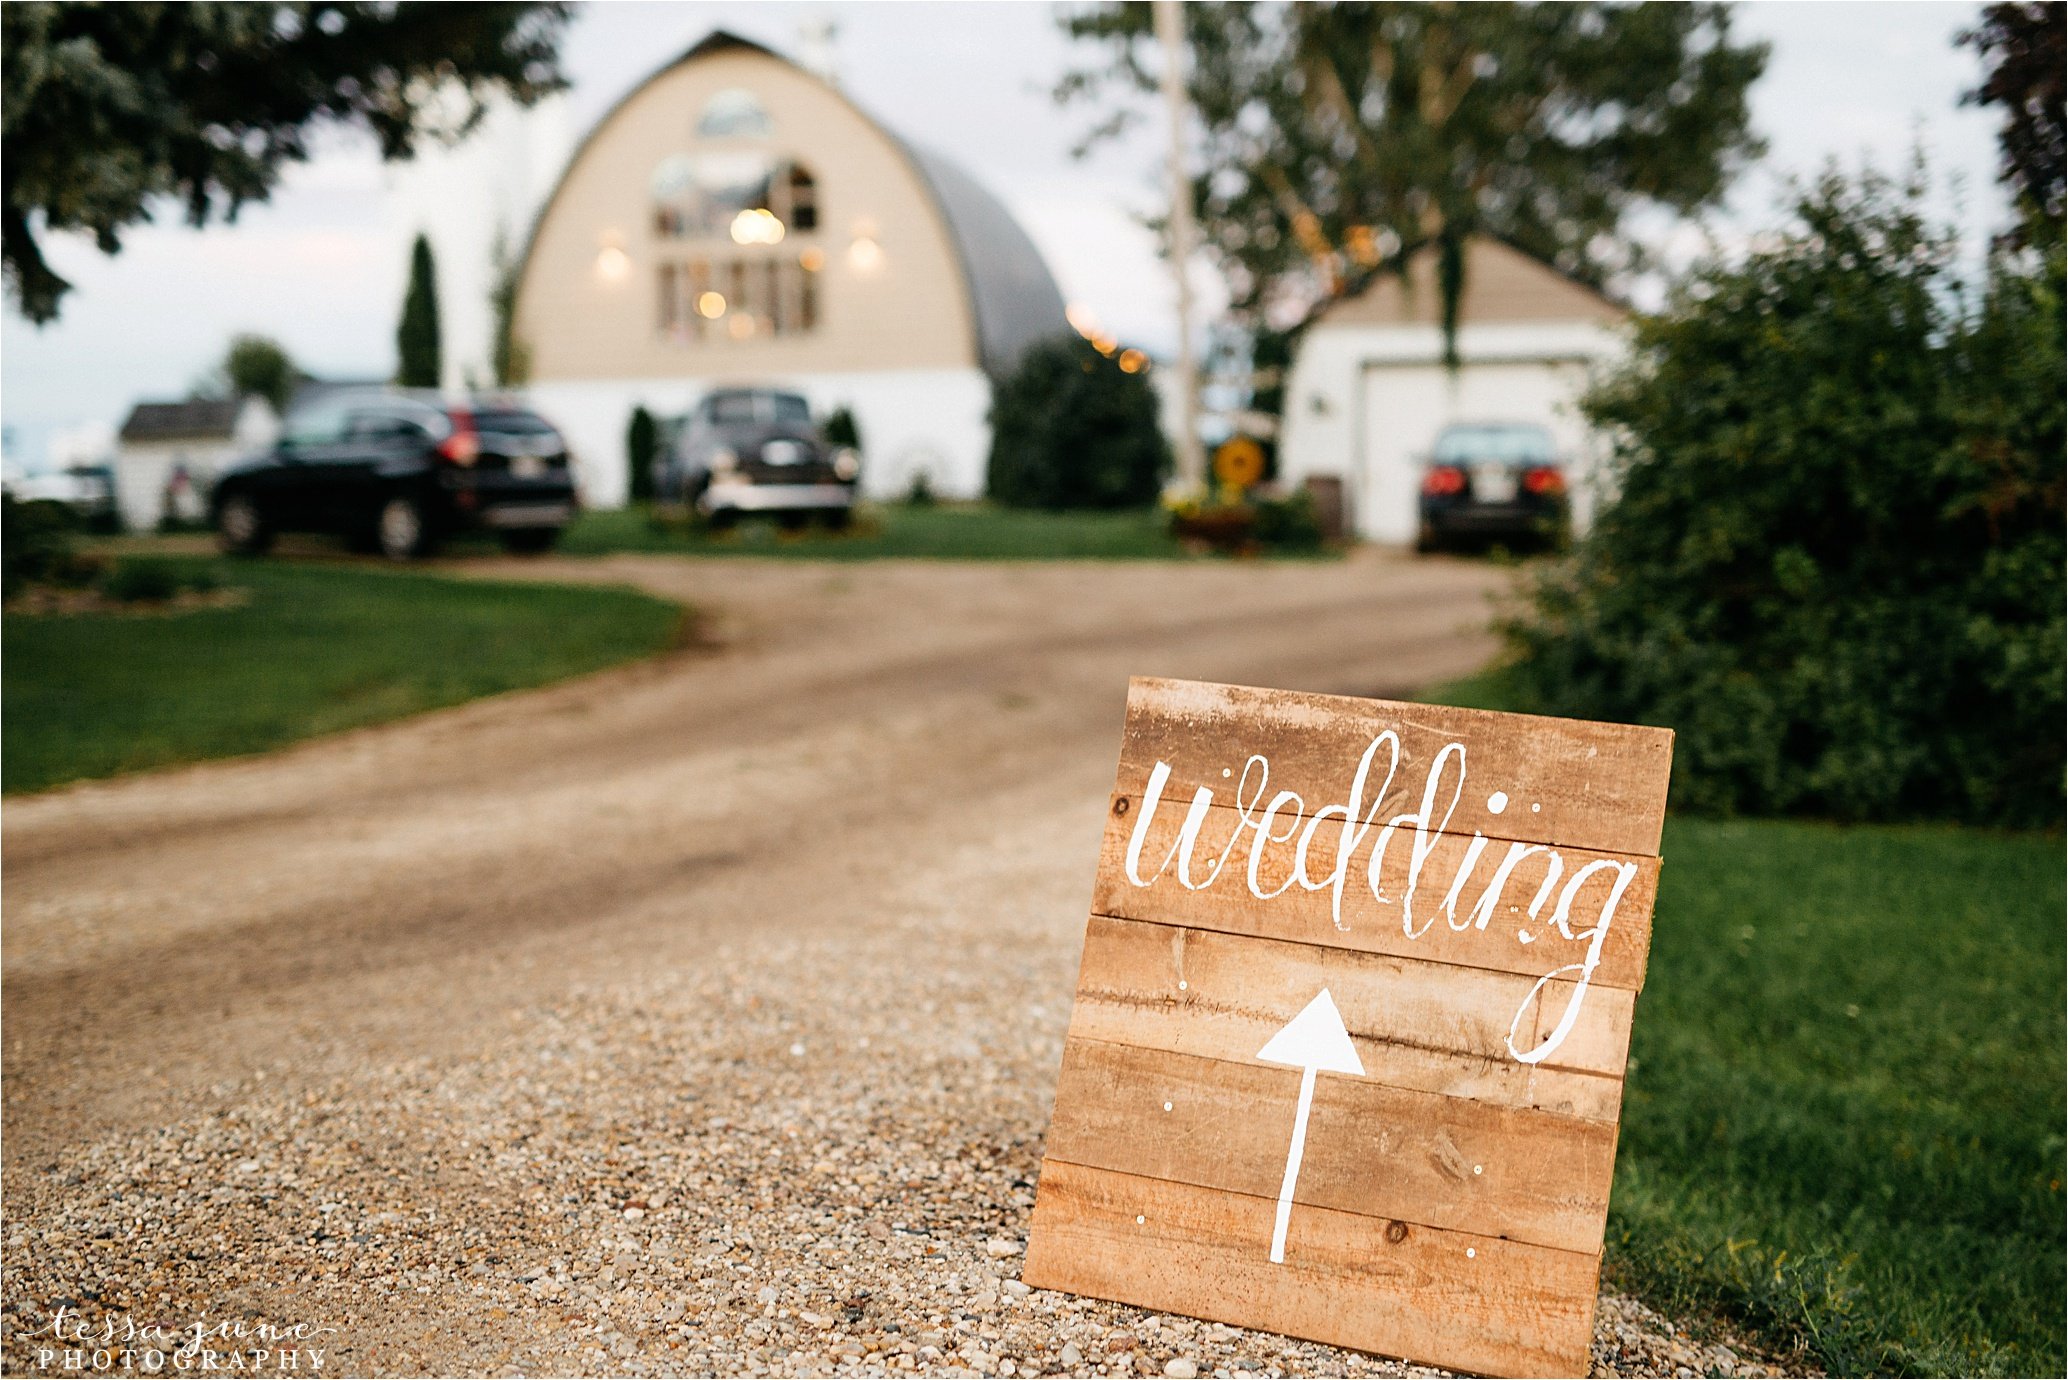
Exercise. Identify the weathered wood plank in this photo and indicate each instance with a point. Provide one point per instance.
(1380, 1151)
(1584, 785)
(1441, 1297)
(1424, 1026)
(1502, 936)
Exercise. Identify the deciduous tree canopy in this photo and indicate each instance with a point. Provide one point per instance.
(1337, 139)
(256, 366)
(109, 107)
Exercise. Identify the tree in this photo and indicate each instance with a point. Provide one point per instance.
(1338, 140)
(1071, 429)
(108, 107)
(2025, 48)
(509, 355)
(418, 350)
(257, 366)
(642, 438)
(1835, 562)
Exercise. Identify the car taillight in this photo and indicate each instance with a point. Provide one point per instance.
(463, 447)
(1544, 479)
(1443, 481)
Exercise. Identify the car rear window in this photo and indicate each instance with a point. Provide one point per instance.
(1522, 445)
(513, 421)
(733, 407)
(791, 408)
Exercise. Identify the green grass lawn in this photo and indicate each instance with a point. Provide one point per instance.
(958, 531)
(316, 648)
(1842, 1128)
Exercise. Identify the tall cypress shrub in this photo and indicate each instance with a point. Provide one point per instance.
(642, 436)
(420, 360)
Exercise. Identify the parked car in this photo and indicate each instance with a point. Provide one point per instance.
(397, 472)
(1492, 480)
(757, 450)
(87, 490)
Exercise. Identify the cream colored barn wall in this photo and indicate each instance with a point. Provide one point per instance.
(911, 312)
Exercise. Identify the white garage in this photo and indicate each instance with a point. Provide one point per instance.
(1369, 390)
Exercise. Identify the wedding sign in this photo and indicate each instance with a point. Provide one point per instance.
(1348, 1046)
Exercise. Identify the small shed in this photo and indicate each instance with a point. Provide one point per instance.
(168, 454)
(1369, 390)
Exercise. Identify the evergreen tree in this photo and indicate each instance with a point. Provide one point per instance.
(418, 352)
(642, 437)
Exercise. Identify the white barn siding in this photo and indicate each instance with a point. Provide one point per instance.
(935, 420)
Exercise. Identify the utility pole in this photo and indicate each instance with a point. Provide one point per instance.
(1170, 32)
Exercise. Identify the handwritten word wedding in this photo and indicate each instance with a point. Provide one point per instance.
(1284, 819)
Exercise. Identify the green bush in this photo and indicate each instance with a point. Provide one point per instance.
(841, 429)
(1289, 523)
(1835, 562)
(1071, 429)
(36, 546)
(142, 580)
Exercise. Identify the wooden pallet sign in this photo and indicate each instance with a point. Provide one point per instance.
(1347, 1053)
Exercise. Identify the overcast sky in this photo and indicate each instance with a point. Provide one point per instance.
(319, 267)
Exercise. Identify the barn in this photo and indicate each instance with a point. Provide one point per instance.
(736, 219)
(1368, 390)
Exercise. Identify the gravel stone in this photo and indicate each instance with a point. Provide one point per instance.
(699, 1018)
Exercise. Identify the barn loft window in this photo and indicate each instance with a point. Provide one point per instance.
(734, 113)
(698, 196)
(738, 258)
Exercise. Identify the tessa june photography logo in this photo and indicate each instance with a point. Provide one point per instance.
(119, 1342)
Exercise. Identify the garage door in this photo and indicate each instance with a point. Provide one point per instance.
(1405, 405)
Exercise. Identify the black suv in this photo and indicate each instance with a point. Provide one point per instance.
(396, 472)
(756, 450)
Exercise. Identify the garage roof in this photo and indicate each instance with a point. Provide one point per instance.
(1502, 284)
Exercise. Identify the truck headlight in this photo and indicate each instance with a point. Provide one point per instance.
(846, 464)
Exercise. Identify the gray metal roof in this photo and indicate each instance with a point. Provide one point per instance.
(1016, 301)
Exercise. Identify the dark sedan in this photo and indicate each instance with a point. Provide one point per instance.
(757, 450)
(1492, 481)
(397, 472)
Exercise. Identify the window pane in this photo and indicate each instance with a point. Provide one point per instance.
(1514, 444)
(735, 114)
(732, 407)
(319, 425)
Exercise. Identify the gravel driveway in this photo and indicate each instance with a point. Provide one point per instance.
(696, 1017)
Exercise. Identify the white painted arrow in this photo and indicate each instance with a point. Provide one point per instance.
(1312, 1041)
